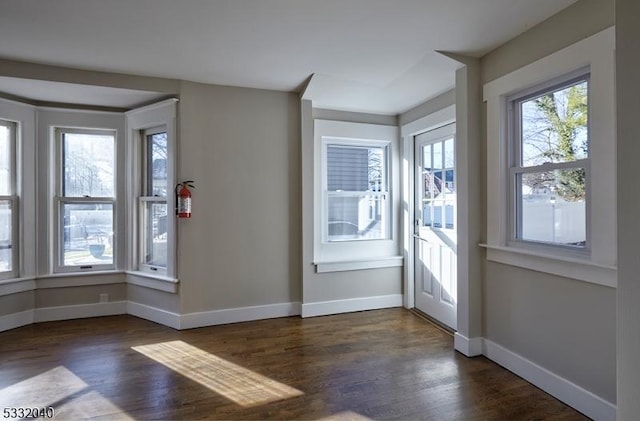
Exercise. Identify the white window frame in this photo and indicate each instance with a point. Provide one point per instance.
(59, 201)
(13, 199)
(360, 254)
(516, 168)
(146, 198)
(162, 114)
(385, 193)
(597, 54)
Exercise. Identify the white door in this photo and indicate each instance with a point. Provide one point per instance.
(435, 225)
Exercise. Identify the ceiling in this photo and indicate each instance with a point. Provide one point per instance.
(366, 55)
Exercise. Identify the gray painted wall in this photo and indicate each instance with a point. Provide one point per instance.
(242, 148)
(431, 106)
(154, 298)
(54, 297)
(563, 325)
(15, 303)
(628, 107)
(576, 22)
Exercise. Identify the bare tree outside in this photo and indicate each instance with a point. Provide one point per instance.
(554, 130)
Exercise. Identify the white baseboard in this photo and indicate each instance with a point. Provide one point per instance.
(469, 347)
(81, 311)
(235, 315)
(570, 393)
(350, 305)
(154, 314)
(14, 320)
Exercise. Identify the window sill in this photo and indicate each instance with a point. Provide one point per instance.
(65, 279)
(340, 266)
(16, 285)
(58, 280)
(153, 281)
(569, 267)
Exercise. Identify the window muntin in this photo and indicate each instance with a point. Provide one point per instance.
(8, 201)
(153, 209)
(356, 195)
(86, 200)
(549, 175)
(438, 184)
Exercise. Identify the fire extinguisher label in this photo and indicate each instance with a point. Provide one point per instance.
(184, 206)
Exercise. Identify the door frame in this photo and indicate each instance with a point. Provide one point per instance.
(430, 122)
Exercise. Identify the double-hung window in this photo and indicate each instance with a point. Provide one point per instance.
(153, 201)
(85, 200)
(8, 201)
(356, 196)
(549, 172)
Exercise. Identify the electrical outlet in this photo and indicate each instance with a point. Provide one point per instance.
(104, 298)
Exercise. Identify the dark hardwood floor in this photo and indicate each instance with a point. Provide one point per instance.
(383, 364)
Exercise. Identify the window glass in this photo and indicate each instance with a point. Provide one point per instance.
(86, 200)
(157, 164)
(552, 147)
(5, 161)
(153, 209)
(555, 126)
(357, 199)
(87, 234)
(154, 251)
(6, 236)
(88, 162)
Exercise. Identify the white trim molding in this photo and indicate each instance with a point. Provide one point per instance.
(147, 280)
(570, 393)
(408, 131)
(236, 315)
(468, 347)
(15, 286)
(80, 311)
(14, 320)
(339, 266)
(597, 54)
(154, 314)
(574, 268)
(324, 308)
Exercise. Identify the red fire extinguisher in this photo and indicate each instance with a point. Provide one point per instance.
(183, 199)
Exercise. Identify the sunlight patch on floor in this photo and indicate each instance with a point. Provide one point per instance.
(69, 396)
(42, 390)
(90, 405)
(238, 384)
(345, 416)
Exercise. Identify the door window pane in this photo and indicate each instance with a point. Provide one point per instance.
(87, 233)
(88, 162)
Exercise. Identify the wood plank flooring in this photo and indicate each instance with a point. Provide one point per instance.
(383, 364)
